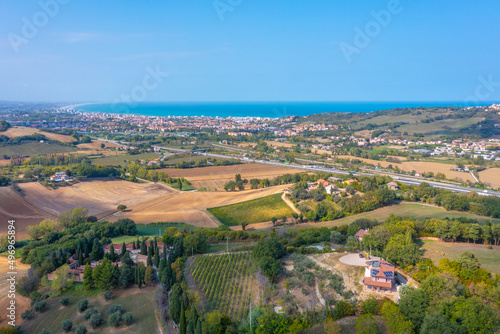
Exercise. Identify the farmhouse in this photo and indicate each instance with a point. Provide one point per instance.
(60, 177)
(379, 276)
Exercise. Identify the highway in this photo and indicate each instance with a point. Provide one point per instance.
(403, 179)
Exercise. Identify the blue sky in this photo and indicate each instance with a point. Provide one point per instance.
(250, 51)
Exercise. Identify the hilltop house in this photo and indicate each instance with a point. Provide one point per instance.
(380, 276)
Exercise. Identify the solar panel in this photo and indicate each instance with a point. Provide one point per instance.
(388, 274)
(376, 263)
(375, 272)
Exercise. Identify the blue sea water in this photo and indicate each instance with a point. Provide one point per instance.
(253, 109)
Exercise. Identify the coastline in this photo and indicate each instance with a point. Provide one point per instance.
(252, 109)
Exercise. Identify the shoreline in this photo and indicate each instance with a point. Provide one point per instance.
(261, 110)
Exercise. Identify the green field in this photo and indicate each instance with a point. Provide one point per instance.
(254, 211)
(138, 302)
(119, 159)
(437, 250)
(442, 127)
(185, 187)
(416, 210)
(148, 230)
(34, 148)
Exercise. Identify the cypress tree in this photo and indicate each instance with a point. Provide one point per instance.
(165, 253)
(144, 248)
(182, 322)
(157, 257)
(80, 257)
(112, 255)
(150, 251)
(124, 248)
(198, 327)
(139, 278)
(192, 321)
(97, 251)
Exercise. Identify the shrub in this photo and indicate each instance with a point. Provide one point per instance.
(40, 306)
(115, 308)
(90, 312)
(107, 295)
(28, 314)
(67, 325)
(115, 319)
(34, 301)
(96, 320)
(81, 330)
(369, 306)
(64, 301)
(82, 305)
(127, 319)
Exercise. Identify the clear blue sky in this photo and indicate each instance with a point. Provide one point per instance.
(285, 50)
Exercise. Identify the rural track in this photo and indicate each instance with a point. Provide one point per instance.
(289, 203)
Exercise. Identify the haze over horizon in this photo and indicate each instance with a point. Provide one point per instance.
(55, 50)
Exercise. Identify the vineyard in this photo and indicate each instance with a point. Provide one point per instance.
(225, 282)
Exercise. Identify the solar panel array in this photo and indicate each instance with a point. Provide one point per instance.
(375, 272)
(388, 274)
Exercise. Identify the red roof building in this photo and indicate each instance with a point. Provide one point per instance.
(361, 233)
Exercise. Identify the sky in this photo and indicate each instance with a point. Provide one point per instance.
(242, 50)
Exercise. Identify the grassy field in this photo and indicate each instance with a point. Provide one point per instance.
(28, 149)
(437, 250)
(416, 210)
(119, 159)
(185, 187)
(138, 302)
(254, 211)
(149, 230)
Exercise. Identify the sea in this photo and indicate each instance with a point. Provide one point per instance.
(253, 109)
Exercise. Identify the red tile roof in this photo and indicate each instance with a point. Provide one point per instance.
(362, 232)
